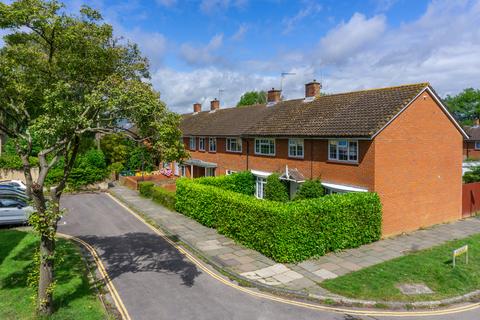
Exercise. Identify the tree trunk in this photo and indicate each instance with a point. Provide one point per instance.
(45, 283)
(47, 252)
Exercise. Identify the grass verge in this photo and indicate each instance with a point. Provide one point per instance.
(74, 296)
(432, 267)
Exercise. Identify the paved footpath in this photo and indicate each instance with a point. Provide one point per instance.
(300, 277)
(155, 281)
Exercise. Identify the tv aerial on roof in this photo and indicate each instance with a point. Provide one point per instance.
(283, 75)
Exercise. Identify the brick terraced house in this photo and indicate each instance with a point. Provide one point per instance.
(400, 142)
(471, 145)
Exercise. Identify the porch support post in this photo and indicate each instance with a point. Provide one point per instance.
(191, 171)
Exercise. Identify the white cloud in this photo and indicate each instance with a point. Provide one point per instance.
(203, 55)
(212, 6)
(310, 9)
(152, 44)
(347, 38)
(240, 33)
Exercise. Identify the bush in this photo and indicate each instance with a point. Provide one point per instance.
(276, 190)
(146, 188)
(310, 189)
(13, 162)
(472, 175)
(241, 182)
(164, 197)
(286, 232)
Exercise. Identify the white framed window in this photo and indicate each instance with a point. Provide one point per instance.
(183, 171)
(209, 172)
(229, 172)
(264, 146)
(477, 145)
(212, 144)
(192, 143)
(260, 187)
(201, 144)
(343, 150)
(234, 144)
(295, 148)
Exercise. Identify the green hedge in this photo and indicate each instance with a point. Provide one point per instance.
(164, 197)
(157, 194)
(146, 188)
(240, 182)
(286, 232)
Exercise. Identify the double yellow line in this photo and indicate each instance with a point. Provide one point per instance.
(101, 268)
(262, 295)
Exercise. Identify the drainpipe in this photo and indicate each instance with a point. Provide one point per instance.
(311, 159)
(248, 148)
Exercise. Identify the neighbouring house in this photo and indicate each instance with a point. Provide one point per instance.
(471, 144)
(400, 142)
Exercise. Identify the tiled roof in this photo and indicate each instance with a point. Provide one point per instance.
(350, 114)
(473, 132)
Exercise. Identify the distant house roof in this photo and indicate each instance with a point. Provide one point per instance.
(473, 132)
(351, 114)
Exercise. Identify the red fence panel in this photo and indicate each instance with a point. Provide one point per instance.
(470, 199)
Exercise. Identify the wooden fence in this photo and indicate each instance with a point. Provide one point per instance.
(470, 199)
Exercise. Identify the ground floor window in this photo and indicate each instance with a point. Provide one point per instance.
(260, 187)
(209, 172)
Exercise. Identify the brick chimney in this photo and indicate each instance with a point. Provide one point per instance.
(214, 105)
(274, 96)
(312, 89)
(197, 107)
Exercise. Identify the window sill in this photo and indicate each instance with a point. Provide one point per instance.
(295, 157)
(233, 151)
(264, 155)
(352, 163)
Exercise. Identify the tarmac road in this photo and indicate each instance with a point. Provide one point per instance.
(155, 281)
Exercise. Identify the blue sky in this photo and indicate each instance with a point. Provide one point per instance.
(197, 47)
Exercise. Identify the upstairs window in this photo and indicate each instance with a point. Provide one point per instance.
(192, 143)
(343, 150)
(201, 144)
(212, 144)
(265, 147)
(234, 144)
(477, 145)
(295, 148)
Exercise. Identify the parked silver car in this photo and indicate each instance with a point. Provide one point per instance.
(14, 211)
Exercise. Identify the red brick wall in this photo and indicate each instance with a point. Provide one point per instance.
(313, 165)
(469, 150)
(418, 168)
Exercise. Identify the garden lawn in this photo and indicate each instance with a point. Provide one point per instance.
(74, 297)
(432, 267)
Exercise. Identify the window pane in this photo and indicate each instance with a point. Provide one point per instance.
(333, 149)
(342, 150)
(352, 151)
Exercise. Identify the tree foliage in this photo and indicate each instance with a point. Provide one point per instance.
(465, 106)
(472, 175)
(252, 97)
(63, 78)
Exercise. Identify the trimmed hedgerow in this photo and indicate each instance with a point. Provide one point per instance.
(241, 182)
(164, 197)
(157, 194)
(286, 232)
(146, 188)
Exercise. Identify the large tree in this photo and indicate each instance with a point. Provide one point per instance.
(465, 106)
(252, 97)
(62, 77)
